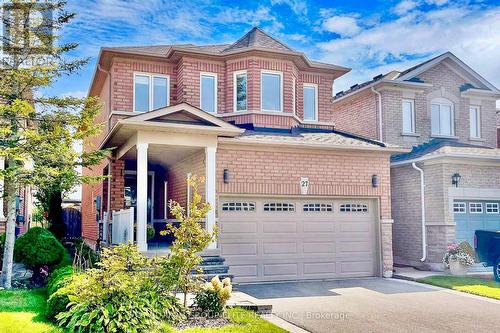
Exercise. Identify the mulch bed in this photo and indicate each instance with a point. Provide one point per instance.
(203, 322)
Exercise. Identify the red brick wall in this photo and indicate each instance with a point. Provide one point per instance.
(177, 176)
(357, 115)
(275, 172)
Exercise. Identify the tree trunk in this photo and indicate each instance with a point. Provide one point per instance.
(56, 223)
(10, 236)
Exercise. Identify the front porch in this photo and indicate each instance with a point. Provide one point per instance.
(155, 154)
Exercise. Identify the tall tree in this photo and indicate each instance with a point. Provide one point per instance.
(37, 132)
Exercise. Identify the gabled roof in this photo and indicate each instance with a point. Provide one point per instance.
(257, 38)
(409, 76)
(435, 145)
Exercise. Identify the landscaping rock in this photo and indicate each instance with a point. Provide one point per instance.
(20, 275)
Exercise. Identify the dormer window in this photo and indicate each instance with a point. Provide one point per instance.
(240, 91)
(310, 102)
(208, 92)
(442, 117)
(151, 92)
(271, 91)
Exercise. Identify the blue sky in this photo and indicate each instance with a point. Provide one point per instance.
(372, 37)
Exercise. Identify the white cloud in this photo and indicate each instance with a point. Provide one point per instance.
(405, 6)
(344, 26)
(75, 94)
(469, 32)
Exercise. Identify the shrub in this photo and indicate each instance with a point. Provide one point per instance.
(38, 247)
(150, 232)
(211, 300)
(59, 278)
(127, 292)
(58, 302)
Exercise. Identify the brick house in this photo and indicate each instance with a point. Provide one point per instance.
(293, 197)
(449, 184)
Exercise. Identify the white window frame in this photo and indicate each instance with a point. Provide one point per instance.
(294, 92)
(281, 89)
(475, 208)
(413, 119)
(462, 204)
(214, 75)
(151, 89)
(235, 96)
(444, 102)
(493, 206)
(315, 86)
(476, 109)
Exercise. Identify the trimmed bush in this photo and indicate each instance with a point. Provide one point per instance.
(58, 302)
(38, 247)
(66, 261)
(59, 278)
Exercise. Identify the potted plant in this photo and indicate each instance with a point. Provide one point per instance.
(150, 232)
(458, 258)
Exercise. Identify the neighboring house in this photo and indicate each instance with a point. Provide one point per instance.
(293, 197)
(445, 112)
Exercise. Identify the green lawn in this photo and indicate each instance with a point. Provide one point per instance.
(21, 311)
(469, 285)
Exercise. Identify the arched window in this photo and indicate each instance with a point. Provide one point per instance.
(442, 117)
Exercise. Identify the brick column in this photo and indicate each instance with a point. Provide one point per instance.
(117, 185)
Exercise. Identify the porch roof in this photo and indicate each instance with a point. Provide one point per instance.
(180, 118)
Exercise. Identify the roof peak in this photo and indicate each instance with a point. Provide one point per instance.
(258, 38)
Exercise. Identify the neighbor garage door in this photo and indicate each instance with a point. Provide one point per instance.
(270, 239)
(472, 215)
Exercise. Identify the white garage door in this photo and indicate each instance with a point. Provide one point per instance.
(271, 239)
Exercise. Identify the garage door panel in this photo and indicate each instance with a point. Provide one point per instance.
(284, 270)
(314, 268)
(289, 245)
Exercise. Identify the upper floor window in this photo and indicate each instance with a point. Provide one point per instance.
(442, 118)
(271, 94)
(475, 121)
(240, 91)
(151, 91)
(208, 92)
(310, 102)
(294, 92)
(408, 116)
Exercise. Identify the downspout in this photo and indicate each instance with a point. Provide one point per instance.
(380, 133)
(108, 74)
(422, 199)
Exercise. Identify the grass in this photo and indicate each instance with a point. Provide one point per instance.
(469, 285)
(22, 311)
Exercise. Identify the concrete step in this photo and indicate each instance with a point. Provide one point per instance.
(212, 260)
(214, 269)
(209, 277)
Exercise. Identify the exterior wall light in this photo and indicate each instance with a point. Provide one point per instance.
(226, 176)
(455, 179)
(375, 181)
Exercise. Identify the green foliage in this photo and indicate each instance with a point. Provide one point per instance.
(85, 256)
(150, 232)
(38, 247)
(59, 278)
(211, 300)
(127, 292)
(58, 302)
(191, 237)
(66, 260)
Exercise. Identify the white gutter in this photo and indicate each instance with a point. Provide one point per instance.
(379, 114)
(422, 199)
(446, 155)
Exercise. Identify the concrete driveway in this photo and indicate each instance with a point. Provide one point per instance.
(377, 305)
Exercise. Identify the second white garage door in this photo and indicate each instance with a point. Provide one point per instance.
(272, 239)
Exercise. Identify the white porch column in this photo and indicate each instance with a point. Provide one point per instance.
(210, 184)
(142, 195)
(2, 166)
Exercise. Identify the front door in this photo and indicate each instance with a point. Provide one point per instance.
(130, 187)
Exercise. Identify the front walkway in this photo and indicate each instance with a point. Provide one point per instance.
(412, 274)
(376, 305)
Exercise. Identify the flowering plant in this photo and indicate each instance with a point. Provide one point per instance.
(459, 252)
